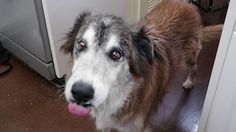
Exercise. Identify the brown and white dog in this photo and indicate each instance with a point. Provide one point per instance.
(120, 73)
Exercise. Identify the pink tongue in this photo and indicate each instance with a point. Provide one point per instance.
(78, 110)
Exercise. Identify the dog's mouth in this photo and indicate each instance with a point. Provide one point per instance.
(80, 110)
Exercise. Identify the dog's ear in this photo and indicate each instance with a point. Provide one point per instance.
(143, 54)
(67, 47)
(143, 45)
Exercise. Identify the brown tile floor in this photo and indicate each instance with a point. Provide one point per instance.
(28, 102)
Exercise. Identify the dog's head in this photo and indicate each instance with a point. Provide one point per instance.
(107, 56)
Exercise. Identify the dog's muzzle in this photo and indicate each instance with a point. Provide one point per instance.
(82, 94)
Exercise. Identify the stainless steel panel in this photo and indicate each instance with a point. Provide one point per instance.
(43, 30)
(45, 69)
(19, 23)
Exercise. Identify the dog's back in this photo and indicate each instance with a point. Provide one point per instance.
(176, 30)
(174, 19)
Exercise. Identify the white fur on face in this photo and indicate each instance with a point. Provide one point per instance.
(110, 79)
(112, 42)
(89, 36)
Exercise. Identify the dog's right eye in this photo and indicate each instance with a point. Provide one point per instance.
(81, 45)
(115, 54)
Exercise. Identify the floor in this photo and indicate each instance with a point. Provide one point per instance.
(28, 102)
(180, 111)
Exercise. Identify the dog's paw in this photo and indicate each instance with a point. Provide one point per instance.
(188, 84)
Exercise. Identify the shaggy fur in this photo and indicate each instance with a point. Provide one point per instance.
(168, 38)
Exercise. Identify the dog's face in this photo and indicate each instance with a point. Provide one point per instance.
(106, 55)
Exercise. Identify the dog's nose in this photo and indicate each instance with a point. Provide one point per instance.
(82, 92)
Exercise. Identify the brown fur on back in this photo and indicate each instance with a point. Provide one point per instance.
(175, 28)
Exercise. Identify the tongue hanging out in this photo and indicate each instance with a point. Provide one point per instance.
(78, 109)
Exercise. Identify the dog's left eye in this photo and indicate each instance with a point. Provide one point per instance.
(115, 54)
(81, 45)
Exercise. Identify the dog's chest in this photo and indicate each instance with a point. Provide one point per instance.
(103, 115)
(105, 121)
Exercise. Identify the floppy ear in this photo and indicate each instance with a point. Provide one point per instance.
(143, 45)
(67, 47)
(143, 54)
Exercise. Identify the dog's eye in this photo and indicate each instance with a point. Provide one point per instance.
(81, 45)
(115, 54)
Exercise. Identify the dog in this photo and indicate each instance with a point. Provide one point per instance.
(120, 72)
